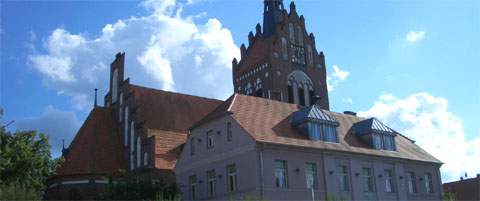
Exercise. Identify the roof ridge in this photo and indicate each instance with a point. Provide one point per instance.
(172, 92)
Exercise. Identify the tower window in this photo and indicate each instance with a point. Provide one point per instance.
(290, 93)
(301, 95)
(309, 55)
(284, 49)
(300, 35)
(139, 155)
(115, 86)
(291, 32)
(125, 131)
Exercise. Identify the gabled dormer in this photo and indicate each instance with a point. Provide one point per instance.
(376, 134)
(315, 123)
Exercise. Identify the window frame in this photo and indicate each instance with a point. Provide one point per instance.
(411, 183)
(389, 180)
(343, 177)
(232, 178)
(283, 171)
(211, 183)
(428, 182)
(311, 173)
(229, 132)
(192, 180)
(210, 139)
(368, 180)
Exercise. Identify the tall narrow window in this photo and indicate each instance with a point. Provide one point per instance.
(300, 35)
(145, 159)
(291, 32)
(428, 182)
(231, 178)
(301, 95)
(125, 131)
(192, 146)
(309, 55)
(211, 183)
(412, 188)
(210, 139)
(343, 178)
(284, 49)
(389, 182)
(311, 175)
(193, 187)
(388, 143)
(258, 88)
(311, 92)
(120, 114)
(281, 174)
(330, 133)
(368, 185)
(290, 93)
(229, 131)
(115, 86)
(132, 145)
(377, 141)
(121, 98)
(139, 148)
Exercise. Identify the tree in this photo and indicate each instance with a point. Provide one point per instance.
(25, 163)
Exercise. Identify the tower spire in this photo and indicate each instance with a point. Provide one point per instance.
(272, 15)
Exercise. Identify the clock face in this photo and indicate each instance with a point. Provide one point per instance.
(298, 54)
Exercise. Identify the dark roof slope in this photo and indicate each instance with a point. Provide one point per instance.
(164, 110)
(268, 121)
(96, 149)
(372, 125)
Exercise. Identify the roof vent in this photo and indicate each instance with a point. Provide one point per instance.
(350, 113)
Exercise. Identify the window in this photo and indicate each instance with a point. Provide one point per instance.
(125, 131)
(139, 155)
(120, 114)
(301, 95)
(428, 182)
(300, 35)
(193, 187)
(210, 139)
(309, 54)
(388, 143)
(311, 175)
(258, 88)
(290, 93)
(192, 146)
(377, 141)
(343, 178)
(368, 185)
(115, 86)
(291, 32)
(284, 49)
(281, 174)
(211, 183)
(145, 159)
(389, 181)
(121, 98)
(411, 182)
(311, 94)
(132, 134)
(229, 131)
(231, 178)
(330, 133)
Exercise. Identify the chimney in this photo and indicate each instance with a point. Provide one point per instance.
(350, 113)
(461, 178)
(95, 101)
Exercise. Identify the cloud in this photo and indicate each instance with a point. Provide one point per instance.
(348, 100)
(427, 120)
(414, 36)
(55, 123)
(164, 50)
(338, 75)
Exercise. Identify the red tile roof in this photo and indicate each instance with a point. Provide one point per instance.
(96, 149)
(168, 146)
(268, 121)
(164, 110)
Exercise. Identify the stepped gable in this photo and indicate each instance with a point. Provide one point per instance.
(170, 111)
(96, 149)
(268, 121)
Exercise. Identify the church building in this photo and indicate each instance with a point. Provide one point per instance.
(275, 138)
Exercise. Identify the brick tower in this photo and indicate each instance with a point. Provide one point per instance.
(281, 62)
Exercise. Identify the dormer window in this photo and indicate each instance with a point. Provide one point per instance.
(376, 134)
(316, 124)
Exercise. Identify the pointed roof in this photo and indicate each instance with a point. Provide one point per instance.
(372, 125)
(268, 121)
(96, 149)
(313, 113)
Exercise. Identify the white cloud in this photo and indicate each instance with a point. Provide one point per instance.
(426, 119)
(348, 100)
(338, 75)
(414, 36)
(164, 50)
(49, 123)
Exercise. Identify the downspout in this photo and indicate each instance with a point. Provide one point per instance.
(261, 170)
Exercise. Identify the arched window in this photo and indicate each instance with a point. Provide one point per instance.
(115, 86)
(309, 55)
(145, 159)
(132, 145)
(125, 130)
(300, 35)
(298, 85)
(291, 32)
(258, 88)
(248, 89)
(301, 94)
(139, 147)
(121, 98)
(284, 49)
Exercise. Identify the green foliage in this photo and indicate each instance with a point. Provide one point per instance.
(448, 196)
(25, 163)
(133, 187)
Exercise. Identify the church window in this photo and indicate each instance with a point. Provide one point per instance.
(248, 89)
(258, 88)
(284, 49)
(145, 159)
(139, 147)
(291, 32)
(115, 86)
(301, 95)
(290, 93)
(120, 114)
(132, 134)
(300, 36)
(121, 98)
(309, 55)
(125, 130)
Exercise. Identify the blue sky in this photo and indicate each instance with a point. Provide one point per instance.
(413, 64)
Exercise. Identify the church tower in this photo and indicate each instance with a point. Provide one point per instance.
(281, 62)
